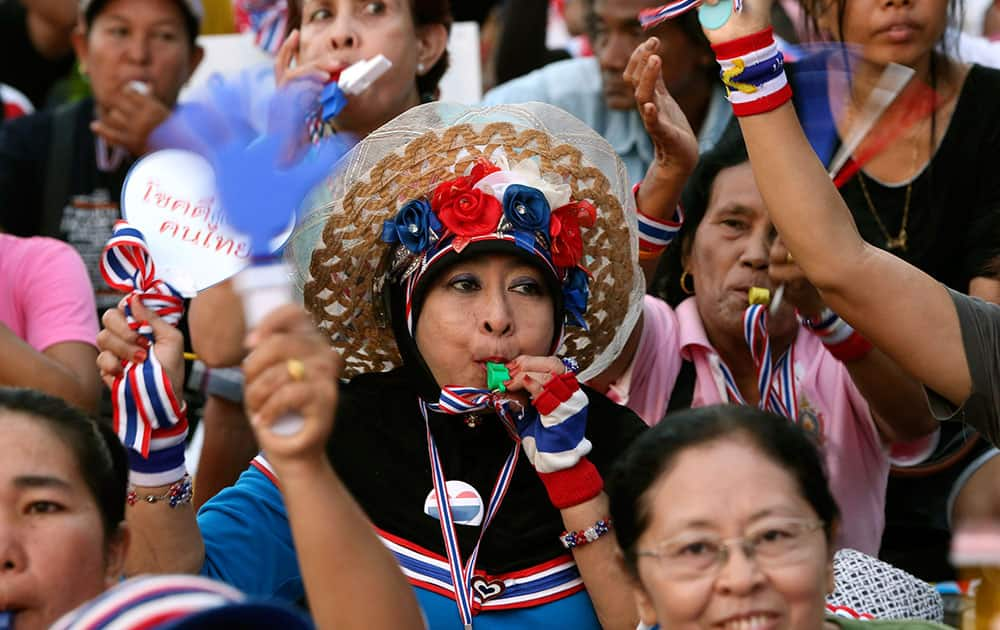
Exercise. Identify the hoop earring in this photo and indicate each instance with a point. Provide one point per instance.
(684, 276)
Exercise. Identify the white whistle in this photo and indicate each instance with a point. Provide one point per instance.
(358, 77)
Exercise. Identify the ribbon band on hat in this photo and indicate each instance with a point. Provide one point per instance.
(142, 396)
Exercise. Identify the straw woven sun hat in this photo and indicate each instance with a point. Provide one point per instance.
(341, 262)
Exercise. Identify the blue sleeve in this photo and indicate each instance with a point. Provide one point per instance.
(530, 87)
(248, 543)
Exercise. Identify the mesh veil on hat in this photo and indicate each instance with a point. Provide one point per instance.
(340, 259)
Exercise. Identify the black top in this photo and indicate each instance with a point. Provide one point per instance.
(91, 208)
(954, 222)
(379, 449)
(23, 67)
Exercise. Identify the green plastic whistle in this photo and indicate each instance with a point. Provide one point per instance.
(496, 376)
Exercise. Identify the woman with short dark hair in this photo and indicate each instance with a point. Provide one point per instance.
(765, 561)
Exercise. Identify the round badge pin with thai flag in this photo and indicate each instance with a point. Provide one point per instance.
(466, 504)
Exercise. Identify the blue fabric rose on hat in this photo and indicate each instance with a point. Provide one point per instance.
(526, 208)
(576, 293)
(415, 226)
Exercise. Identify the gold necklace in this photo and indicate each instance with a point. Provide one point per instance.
(899, 242)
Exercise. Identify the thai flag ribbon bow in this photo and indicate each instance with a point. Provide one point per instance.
(147, 416)
(462, 400)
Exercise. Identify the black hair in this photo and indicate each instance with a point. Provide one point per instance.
(653, 453)
(424, 13)
(729, 151)
(190, 21)
(99, 454)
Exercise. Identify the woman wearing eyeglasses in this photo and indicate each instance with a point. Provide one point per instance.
(765, 561)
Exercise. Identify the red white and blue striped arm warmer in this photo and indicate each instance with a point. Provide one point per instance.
(839, 337)
(555, 442)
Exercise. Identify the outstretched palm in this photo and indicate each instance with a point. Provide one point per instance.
(674, 142)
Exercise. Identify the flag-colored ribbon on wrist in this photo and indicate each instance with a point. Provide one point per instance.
(143, 397)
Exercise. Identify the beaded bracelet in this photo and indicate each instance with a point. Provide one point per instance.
(578, 539)
(179, 493)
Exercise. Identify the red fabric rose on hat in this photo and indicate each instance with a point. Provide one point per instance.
(445, 191)
(564, 228)
(465, 210)
(470, 212)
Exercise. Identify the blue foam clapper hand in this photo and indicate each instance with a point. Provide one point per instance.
(261, 179)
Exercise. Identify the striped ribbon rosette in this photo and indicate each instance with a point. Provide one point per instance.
(147, 416)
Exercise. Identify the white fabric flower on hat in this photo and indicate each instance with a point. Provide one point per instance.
(526, 173)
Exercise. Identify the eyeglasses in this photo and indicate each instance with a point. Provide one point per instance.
(771, 544)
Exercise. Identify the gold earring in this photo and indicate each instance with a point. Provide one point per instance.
(684, 276)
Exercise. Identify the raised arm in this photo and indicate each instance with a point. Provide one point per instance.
(659, 194)
(895, 398)
(344, 565)
(903, 311)
(675, 148)
(572, 482)
(165, 537)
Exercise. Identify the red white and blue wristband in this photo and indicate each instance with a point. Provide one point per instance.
(753, 71)
(656, 234)
(839, 337)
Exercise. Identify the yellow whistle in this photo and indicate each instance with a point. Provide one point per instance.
(759, 295)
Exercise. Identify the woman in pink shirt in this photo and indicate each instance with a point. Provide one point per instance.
(48, 321)
(691, 350)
